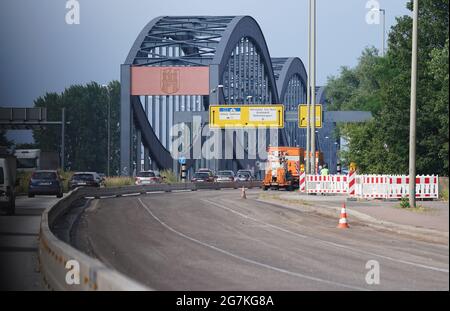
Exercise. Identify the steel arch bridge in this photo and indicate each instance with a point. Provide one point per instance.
(226, 53)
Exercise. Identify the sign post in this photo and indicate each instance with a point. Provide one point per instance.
(182, 161)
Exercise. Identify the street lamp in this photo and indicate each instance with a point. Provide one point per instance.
(383, 11)
(217, 91)
(108, 129)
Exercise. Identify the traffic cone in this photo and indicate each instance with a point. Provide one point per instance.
(243, 195)
(343, 224)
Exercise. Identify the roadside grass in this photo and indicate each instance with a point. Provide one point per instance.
(23, 178)
(278, 197)
(404, 205)
(169, 177)
(443, 188)
(118, 181)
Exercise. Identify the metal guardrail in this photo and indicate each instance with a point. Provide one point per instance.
(55, 254)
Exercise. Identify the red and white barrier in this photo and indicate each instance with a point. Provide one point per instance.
(327, 184)
(426, 187)
(351, 184)
(302, 185)
(372, 186)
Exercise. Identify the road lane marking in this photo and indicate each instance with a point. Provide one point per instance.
(327, 242)
(296, 274)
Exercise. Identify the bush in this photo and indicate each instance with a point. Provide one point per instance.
(66, 176)
(404, 203)
(443, 188)
(169, 177)
(24, 179)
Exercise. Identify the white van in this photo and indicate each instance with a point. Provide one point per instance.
(8, 165)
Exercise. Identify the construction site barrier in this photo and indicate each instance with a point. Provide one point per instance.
(373, 186)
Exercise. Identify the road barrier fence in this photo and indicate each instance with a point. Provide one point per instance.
(373, 186)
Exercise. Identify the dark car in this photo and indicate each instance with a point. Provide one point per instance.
(202, 177)
(85, 179)
(45, 183)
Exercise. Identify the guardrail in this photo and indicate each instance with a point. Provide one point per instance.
(56, 257)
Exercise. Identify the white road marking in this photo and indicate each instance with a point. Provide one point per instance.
(327, 242)
(300, 275)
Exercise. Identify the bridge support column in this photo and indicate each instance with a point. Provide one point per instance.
(138, 151)
(126, 167)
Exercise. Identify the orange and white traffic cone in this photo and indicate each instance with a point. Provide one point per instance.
(243, 195)
(343, 224)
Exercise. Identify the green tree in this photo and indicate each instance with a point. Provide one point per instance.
(382, 86)
(4, 141)
(86, 134)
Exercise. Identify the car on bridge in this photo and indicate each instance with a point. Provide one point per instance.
(225, 176)
(146, 178)
(244, 176)
(246, 173)
(202, 177)
(85, 179)
(45, 182)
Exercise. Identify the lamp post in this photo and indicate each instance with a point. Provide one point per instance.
(249, 98)
(383, 11)
(313, 85)
(412, 124)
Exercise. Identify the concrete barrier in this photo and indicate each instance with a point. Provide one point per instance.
(55, 258)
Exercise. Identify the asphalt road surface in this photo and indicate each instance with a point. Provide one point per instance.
(19, 268)
(214, 240)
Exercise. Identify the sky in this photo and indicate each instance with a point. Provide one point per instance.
(41, 53)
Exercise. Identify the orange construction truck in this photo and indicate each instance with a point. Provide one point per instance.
(283, 166)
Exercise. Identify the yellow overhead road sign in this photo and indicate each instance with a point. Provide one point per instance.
(234, 116)
(302, 116)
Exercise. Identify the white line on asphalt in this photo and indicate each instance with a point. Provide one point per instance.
(328, 242)
(300, 275)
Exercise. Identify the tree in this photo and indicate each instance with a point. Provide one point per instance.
(382, 86)
(4, 141)
(86, 134)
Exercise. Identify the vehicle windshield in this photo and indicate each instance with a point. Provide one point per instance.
(243, 174)
(146, 174)
(44, 175)
(225, 173)
(201, 175)
(83, 177)
(2, 177)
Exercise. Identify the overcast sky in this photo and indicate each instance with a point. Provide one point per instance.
(41, 53)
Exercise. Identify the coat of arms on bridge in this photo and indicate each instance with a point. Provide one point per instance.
(170, 80)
